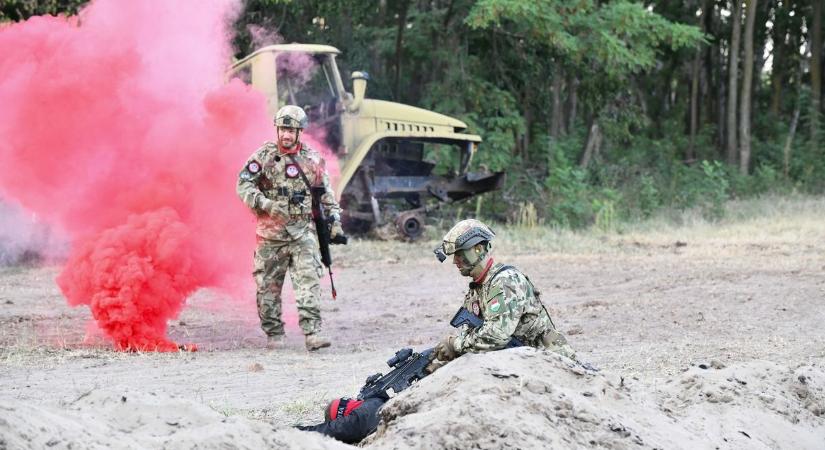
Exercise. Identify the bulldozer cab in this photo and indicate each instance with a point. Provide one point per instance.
(384, 149)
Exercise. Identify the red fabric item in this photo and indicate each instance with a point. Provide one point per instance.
(483, 275)
(351, 406)
(344, 406)
(290, 151)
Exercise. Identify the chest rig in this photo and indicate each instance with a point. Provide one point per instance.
(281, 181)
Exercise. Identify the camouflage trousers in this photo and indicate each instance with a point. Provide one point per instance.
(272, 260)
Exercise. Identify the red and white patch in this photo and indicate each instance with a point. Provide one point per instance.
(253, 167)
(291, 170)
(495, 306)
(476, 309)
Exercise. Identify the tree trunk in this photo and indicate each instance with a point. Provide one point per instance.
(557, 120)
(786, 152)
(528, 122)
(592, 145)
(721, 114)
(711, 90)
(780, 58)
(747, 79)
(694, 105)
(816, 71)
(572, 103)
(696, 71)
(776, 68)
(733, 72)
(399, 41)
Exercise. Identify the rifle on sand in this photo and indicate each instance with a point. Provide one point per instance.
(407, 368)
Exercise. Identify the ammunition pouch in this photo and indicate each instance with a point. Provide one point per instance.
(298, 197)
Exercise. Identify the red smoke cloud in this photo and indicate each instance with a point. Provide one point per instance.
(118, 127)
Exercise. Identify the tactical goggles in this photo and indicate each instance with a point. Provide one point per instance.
(439, 253)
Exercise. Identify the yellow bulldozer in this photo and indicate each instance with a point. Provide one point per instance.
(385, 178)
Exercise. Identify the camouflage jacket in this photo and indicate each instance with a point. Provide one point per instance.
(510, 307)
(273, 188)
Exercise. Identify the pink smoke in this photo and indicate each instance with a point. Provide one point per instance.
(117, 127)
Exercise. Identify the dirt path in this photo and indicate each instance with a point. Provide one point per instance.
(640, 304)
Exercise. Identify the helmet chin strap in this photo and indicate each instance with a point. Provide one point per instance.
(480, 277)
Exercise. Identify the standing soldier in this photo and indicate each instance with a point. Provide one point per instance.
(274, 183)
(501, 295)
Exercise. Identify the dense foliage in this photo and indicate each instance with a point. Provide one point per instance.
(598, 110)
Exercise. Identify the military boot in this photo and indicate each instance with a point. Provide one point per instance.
(314, 342)
(275, 342)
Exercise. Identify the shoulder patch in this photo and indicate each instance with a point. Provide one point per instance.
(495, 305)
(253, 167)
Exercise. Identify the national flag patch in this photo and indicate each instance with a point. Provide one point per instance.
(495, 305)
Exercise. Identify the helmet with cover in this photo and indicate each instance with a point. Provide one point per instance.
(461, 239)
(291, 116)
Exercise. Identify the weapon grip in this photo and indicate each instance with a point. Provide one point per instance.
(464, 317)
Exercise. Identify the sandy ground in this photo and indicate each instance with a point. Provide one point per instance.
(648, 307)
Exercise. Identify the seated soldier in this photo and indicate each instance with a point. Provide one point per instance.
(501, 295)
(349, 420)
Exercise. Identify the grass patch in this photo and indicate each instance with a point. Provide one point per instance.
(771, 218)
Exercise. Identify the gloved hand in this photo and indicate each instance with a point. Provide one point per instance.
(336, 234)
(335, 230)
(270, 207)
(434, 365)
(444, 350)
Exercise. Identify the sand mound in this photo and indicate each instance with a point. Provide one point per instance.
(134, 420)
(518, 398)
(533, 399)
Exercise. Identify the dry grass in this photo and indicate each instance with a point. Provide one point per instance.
(794, 220)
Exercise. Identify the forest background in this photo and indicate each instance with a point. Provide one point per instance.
(600, 112)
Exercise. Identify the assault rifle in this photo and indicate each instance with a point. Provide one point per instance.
(322, 227)
(464, 317)
(407, 367)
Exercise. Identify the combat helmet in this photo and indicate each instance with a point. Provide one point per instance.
(291, 116)
(463, 236)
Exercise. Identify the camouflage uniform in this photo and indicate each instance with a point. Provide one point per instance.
(510, 306)
(272, 187)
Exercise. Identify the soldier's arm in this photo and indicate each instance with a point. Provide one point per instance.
(247, 186)
(331, 207)
(502, 311)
